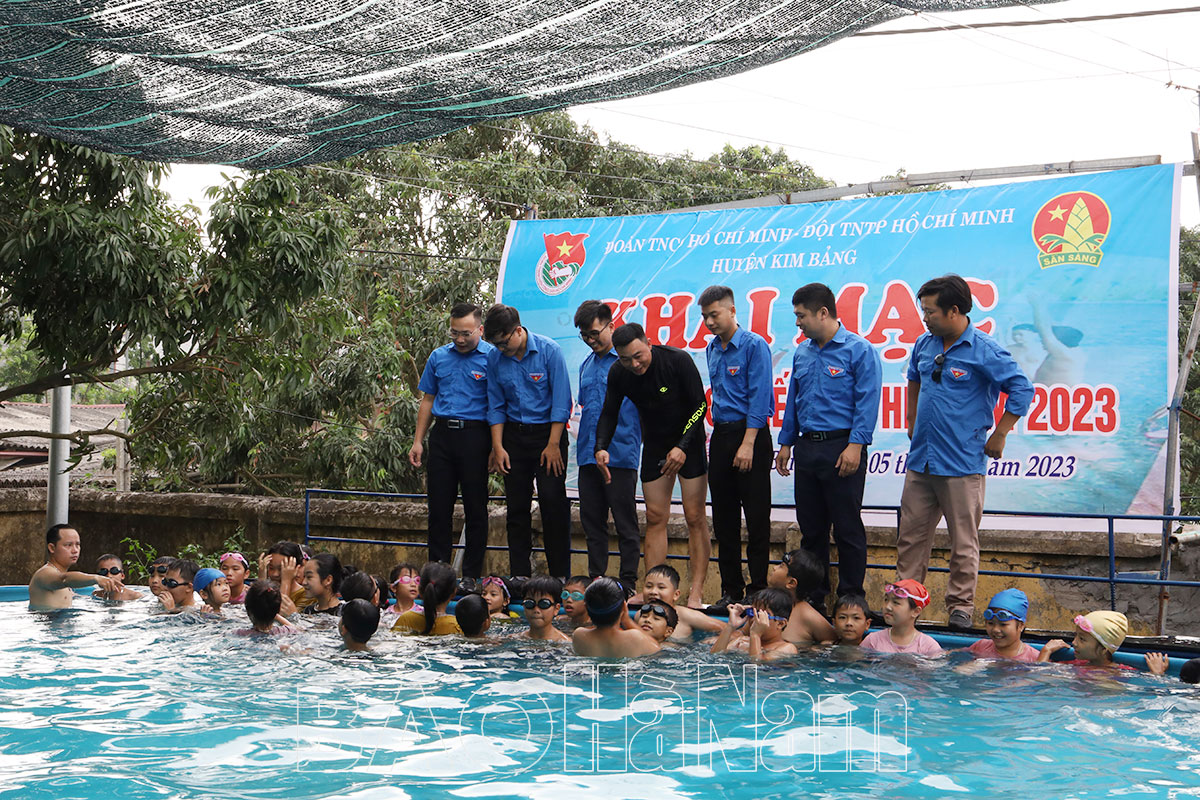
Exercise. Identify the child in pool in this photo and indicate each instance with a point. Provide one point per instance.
(798, 573)
(177, 589)
(358, 623)
(658, 620)
(613, 634)
(110, 565)
(1097, 636)
(758, 629)
(156, 572)
(472, 614)
(322, 582)
(495, 592)
(572, 601)
(263, 603)
(438, 582)
(1004, 619)
(405, 583)
(213, 588)
(903, 602)
(542, 602)
(851, 620)
(661, 584)
(237, 572)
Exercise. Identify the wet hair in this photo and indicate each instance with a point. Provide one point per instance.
(814, 297)
(672, 614)
(361, 619)
(592, 309)
(947, 291)
(54, 533)
(163, 560)
(604, 598)
(287, 550)
(628, 333)
(1190, 671)
(438, 583)
(574, 579)
(715, 294)
(546, 585)
(501, 319)
(359, 586)
(852, 601)
(775, 601)
(263, 601)
(667, 571)
(461, 310)
(108, 557)
(187, 569)
(803, 566)
(385, 596)
(472, 613)
(329, 566)
(396, 570)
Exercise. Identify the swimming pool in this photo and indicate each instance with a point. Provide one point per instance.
(101, 702)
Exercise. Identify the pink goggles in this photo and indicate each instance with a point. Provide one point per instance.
(492, 580)
(1085, 625)
(238, 556)
(406, 579)
(905, 594)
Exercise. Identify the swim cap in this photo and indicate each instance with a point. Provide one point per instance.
(1109, 628)
(1013, 601)
(911, 589)
(204, 577)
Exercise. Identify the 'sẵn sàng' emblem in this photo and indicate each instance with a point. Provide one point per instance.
(563, 260)
(1070, 228)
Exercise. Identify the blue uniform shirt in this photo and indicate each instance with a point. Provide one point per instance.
(458, 382)
(740, 379)
(534, 390)
(833, 388)
(955, 415)
(625, 449)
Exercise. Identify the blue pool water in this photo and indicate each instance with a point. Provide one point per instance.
(115, 703)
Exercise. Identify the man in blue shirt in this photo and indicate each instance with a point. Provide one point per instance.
(596, 496)
(740, 451)
(832, 405)
(955, 377)
(529, 402)
(455, 384)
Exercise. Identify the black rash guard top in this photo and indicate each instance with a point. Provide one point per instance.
(669, 398)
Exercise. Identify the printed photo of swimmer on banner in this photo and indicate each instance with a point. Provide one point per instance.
(1075, 276)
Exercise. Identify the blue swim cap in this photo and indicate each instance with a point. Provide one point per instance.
(204, 577)
(1013, 601)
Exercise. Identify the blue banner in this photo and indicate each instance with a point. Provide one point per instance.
(1076, 276)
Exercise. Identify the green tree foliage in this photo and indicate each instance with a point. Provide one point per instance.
(1189, 423)
(331, 398)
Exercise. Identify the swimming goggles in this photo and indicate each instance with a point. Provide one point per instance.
(999, 615)
(573, 596)
(492, 580)
(543, 604)
(749, 614)
(111, 571)
(655, 608)
(904, 594)
(161, 569)
(413, 579)
(238, 556)
(171, 583)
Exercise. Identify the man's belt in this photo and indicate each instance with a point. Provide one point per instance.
(821, 436)
(460, 424)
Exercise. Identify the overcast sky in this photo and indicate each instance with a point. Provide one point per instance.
(867, 106)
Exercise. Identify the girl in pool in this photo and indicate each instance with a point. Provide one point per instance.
(213, 588)
(1004, 619)
(237, 571)
(263, 601)
(323, 581)
(495, 593)
(406, 586)
(1097, 636)
(438, 583)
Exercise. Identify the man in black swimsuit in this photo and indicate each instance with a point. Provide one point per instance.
(665, 386)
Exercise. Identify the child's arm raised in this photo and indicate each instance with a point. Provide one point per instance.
(698, 619)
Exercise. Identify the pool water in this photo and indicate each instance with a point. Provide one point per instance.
(106, 702)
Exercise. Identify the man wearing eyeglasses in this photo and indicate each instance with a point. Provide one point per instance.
(955, 377)
(832, 406)
(529, 402)
(596, 496)
(455, 381)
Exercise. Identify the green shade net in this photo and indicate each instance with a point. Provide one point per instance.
(279, 82)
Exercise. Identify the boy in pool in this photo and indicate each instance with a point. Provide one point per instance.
(658, 620)
(613, 634)
(178, 591)
(543, 598)
(237, 571)
(1004, 619)
(661, 584)
(903, 602)
(50, 586)
(758, 629)
(1097, 636)
(473, 617)
(156, 572)
(851, 620)
(572, 601)
(263, 602)
(798, 574)
(283, 564)
(358, 623)
(213, 588)
(110, 565)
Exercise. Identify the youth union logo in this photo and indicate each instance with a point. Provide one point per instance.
(1070, 228)
(564, 258)
(835, 371)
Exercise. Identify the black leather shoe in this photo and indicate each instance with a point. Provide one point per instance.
(467, 586)
(959, 620)
(722, 605)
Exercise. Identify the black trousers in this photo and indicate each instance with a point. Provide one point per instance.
(525, 444)
(823, 499)
(734, 492)
(596, 500)
(458, 458)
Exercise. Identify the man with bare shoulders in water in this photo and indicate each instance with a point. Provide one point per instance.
(51, 586)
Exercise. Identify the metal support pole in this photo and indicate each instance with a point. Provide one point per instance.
(57, 484)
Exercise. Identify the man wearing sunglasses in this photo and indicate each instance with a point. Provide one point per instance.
(50, 586)
(455, 404)
(598, 497)
(529, 403)
(955, 377)
(110, 565)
